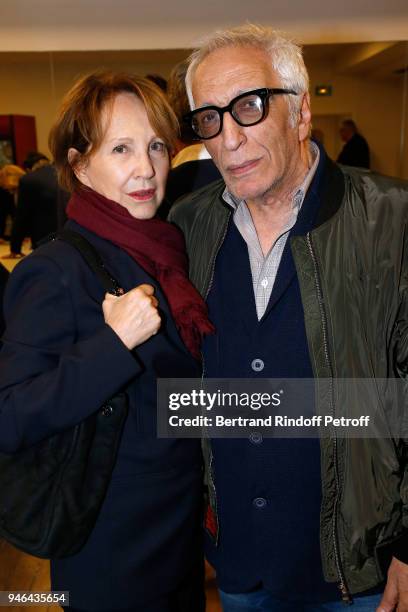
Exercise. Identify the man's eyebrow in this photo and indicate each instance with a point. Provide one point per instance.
(238, 93)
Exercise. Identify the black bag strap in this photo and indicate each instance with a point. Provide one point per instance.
(93, 259)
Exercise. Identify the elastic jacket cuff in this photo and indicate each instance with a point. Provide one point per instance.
(400, 547)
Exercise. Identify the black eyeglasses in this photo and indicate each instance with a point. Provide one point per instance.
(246, 109)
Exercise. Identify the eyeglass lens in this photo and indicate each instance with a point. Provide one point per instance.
(206, 123)
(246, 111)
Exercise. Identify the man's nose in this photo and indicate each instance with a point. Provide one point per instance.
(233, 135)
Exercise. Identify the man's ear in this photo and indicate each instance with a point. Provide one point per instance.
(305, 118)
(78, 166)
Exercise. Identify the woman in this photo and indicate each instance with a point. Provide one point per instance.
(65, 354)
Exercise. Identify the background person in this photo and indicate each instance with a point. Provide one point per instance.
(36, 213)
(68, 348)
(158, 80)
(7, 209)
(192, 167)
(4, 275)
(10, 176)
(355, 151)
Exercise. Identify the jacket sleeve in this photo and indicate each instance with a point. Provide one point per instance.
(50, 380)
(400, 341)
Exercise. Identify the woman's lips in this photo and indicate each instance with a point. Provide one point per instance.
(143, 195)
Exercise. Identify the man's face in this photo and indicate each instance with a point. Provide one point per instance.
(259, 159)
(345, 133)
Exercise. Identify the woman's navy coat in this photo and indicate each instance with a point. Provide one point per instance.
(59, 363)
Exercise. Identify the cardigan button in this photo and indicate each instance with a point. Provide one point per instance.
(255, 437)
(259, 503)
(257, 365)
(107, 410)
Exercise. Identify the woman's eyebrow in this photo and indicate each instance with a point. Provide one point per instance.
(121, 139)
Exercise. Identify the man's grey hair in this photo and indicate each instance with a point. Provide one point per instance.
(285, 54)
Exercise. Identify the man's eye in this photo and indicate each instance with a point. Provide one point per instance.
(209, 117)
(120, 149)
(249, 104)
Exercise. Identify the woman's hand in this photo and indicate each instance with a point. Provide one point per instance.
(133, 316)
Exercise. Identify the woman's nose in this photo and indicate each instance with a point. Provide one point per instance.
(143, 166)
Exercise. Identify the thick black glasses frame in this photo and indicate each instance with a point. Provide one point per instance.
(263, 94)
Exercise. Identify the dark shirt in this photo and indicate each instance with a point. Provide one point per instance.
(37, 207)
(355, 153)
(6, 208)
(185, 178)
(3, 279)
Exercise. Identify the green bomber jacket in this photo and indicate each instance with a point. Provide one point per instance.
(353, 275)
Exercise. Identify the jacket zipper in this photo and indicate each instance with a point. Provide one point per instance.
(215, 257)
(212, 269)
(210, 477)
(345, 593)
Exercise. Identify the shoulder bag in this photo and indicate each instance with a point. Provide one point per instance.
(51, 492)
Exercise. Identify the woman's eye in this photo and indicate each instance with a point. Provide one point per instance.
(158, 147)
(120, 149)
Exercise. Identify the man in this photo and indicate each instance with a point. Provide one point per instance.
(37, 204)
(10, 176)
(355, 151)
(300, 263)
(6, 209)
(192, 167)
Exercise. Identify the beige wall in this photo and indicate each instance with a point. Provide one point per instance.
(375, 106)
(27, 87)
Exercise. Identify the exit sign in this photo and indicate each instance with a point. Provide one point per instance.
(323, 90)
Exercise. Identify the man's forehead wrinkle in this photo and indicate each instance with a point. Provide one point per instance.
(225, 85)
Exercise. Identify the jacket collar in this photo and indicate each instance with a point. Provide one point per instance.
(332, 190)
(328, 184)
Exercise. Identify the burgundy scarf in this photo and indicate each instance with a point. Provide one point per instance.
(158, 247)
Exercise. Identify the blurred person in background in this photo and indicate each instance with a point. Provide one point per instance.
(355, 151)
(178, 100)
(36, 211)
(158, 80)
(318, 135)
(10, 176)
(7, 209)
(192, 167)
(3, 280)
(35, 160)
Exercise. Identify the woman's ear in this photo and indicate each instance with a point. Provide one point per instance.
(78, 166)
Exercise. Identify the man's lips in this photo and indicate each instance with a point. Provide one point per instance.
(242, 168)
(143, 194)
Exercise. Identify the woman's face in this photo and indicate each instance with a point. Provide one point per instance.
(131, 165)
